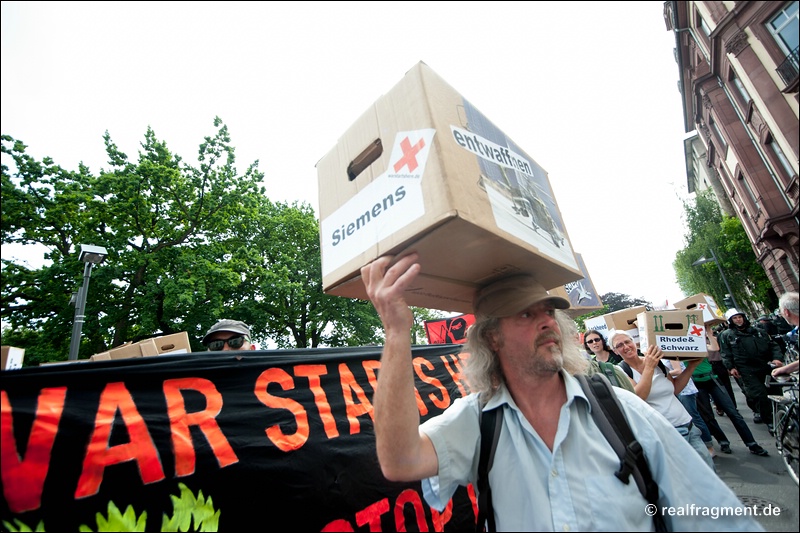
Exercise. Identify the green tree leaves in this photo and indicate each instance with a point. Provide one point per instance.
(708, 229)
(188, 245)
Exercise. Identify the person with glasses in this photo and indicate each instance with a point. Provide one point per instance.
(598, 348)
(553, 469)
(604, 360)
(228, 335)
(655, 385)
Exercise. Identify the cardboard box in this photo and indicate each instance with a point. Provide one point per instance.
(680, 334)
(582, 295)
(705, 304)
(422, 169)
(622, 320)
(174, 344)
(11, 358)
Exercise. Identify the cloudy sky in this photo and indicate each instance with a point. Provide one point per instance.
(587, 89)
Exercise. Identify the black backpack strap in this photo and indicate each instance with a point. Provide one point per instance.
(663, 368)
(607, 414)
(491, 422)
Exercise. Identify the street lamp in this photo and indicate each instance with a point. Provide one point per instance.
(91, 255)
(713, 259)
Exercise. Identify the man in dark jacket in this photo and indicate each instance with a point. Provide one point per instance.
(768, 324)
(747, 353)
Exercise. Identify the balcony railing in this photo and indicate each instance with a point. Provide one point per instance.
(788, 69)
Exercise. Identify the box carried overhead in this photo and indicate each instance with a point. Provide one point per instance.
(680, 334)
(705, 304)
(622, 320)
(424, 170)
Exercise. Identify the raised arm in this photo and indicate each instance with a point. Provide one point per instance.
(651, 359)
(711, 342)
(680, 381)
(403, 452)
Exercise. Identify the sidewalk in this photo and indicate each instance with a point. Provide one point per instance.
(760, 481)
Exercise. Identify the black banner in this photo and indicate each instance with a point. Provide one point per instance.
(215, 442)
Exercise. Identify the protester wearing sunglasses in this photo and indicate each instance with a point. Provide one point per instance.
(228, 335)
(598, 348)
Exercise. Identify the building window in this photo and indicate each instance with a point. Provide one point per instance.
(704, 26)
(784, 26)
(717, 131)
(779, 155)
(740, 87)
(788, 267)
(775, 277)
(746, 187)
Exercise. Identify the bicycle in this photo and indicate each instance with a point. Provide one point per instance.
(786, 428)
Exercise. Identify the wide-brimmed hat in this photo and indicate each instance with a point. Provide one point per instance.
(511, 295)
(234, 326)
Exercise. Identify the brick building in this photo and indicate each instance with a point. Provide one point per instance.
(738, 64)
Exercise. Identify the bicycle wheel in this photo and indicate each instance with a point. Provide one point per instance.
(789, 440)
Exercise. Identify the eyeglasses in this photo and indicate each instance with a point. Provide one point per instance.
(234, 342)
(623, 343)
(593, 340)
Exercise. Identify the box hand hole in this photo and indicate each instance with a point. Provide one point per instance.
(370, 154)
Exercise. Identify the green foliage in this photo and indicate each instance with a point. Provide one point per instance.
(616, 301)
(188, 245)
(281, 294)
(21, 527)
(709, 230)
(580, 321)
(117, 521)
(188, 508)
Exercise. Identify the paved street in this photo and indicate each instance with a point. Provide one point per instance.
(761, 481)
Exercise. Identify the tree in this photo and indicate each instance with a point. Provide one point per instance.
(282, 294)
(616, 301)
(187, 245)
(580, 321)
(708, 229)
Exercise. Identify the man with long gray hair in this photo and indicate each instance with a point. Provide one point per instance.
(553, 469)
(789, 305)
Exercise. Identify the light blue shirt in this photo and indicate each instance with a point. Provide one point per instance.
(573, 488)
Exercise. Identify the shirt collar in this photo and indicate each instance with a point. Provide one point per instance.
(503, 396)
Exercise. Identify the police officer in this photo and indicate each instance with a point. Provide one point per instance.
(750, 353)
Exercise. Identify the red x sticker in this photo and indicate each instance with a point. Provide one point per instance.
(696, 331)
(409, 155)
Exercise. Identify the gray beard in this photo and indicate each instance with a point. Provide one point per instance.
(552, 365)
